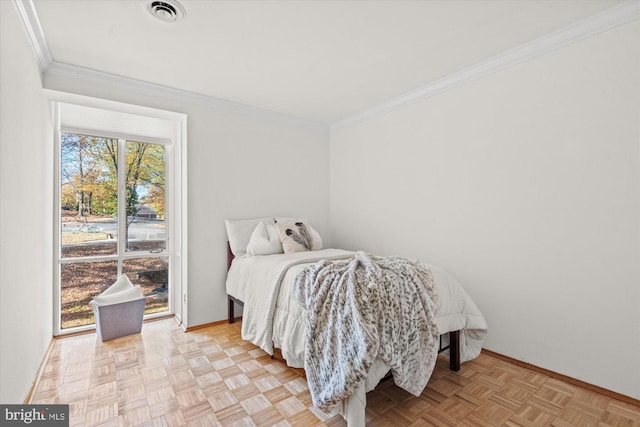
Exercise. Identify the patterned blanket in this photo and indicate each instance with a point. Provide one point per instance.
(363, 308)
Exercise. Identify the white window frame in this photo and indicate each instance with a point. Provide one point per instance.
(176, 201)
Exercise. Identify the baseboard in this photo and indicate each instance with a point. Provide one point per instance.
(207, 325)
(43, 363)
(565, 378)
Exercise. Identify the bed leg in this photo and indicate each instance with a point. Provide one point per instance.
(454, 350)
(232, 318)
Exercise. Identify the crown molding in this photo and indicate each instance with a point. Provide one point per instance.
(610, 18)
(48, 67)
(176, 95)
(27, 12)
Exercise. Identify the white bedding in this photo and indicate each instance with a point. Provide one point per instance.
(251, 278)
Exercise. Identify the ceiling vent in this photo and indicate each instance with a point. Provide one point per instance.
(166, 10)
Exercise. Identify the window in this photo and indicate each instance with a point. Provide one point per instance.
(118, 204)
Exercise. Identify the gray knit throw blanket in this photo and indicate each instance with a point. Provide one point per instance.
(363, 308)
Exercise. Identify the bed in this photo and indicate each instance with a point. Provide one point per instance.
(262, 283)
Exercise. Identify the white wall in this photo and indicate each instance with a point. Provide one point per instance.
(525, 185)
(26, 171)
(240, 165)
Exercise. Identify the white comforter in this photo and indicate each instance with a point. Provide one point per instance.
(271, 316)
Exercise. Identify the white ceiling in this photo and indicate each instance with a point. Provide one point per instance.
(317, 60)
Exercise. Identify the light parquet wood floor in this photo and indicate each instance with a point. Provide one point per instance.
(208, 377)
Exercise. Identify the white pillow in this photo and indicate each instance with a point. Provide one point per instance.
(239, 233)
(298, 237)
(118, 297)
(122, 284)
(264, 240)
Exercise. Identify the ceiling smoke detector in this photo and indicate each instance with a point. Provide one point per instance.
(165, 10)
